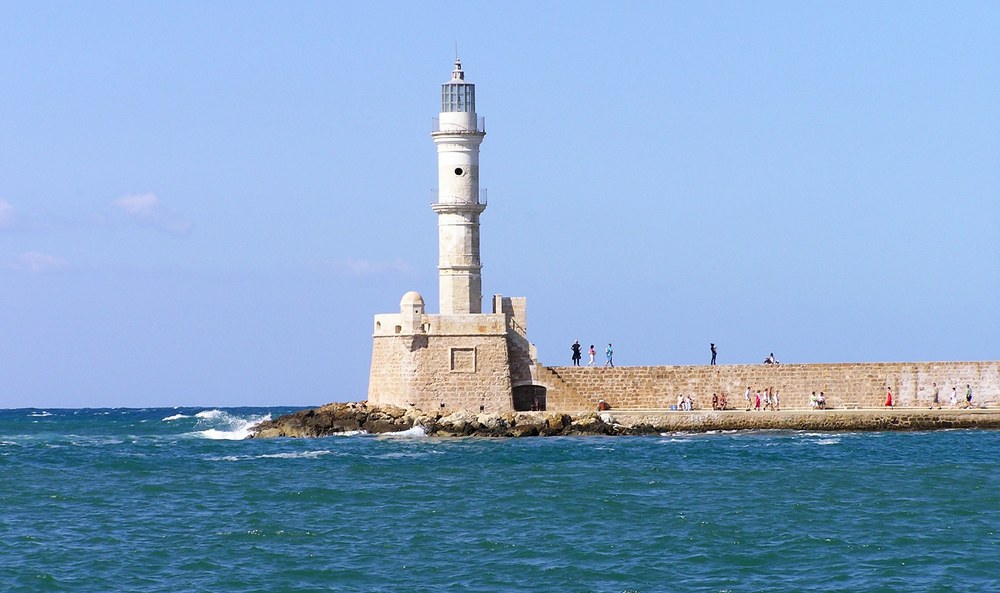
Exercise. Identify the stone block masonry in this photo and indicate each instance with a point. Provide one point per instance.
(464, 369)
(445, 363)
(845, 385)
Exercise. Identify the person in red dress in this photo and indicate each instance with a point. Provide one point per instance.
(888, 397)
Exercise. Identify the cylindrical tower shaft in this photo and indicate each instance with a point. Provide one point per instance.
(458, 136)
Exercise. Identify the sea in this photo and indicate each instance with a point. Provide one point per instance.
(177, 500)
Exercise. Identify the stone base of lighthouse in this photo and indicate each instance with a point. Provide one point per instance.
(453, 362)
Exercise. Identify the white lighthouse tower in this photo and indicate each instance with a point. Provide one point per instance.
(460, 358)
(458, 134)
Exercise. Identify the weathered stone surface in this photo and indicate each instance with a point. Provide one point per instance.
(845, 385)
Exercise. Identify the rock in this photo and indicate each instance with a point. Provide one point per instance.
(556, 422)
(492, 425)
(524, 430)
(340, 417)
(590, 424)
(461, 422)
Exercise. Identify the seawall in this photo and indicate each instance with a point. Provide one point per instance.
(356, 417)
(845, 385)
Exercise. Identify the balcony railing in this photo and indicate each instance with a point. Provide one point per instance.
(436, 198)
(456, 129)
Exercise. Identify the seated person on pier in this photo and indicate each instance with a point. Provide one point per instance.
(821, 401)
(603, 406)
(771, 359)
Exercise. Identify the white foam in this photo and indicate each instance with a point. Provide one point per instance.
(296, 455)
(223, 435)
(292, 455)
(226, 427)
(415, 432)
(175, 417)
(41, 414)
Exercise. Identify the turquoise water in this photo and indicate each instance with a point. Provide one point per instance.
(166, 500)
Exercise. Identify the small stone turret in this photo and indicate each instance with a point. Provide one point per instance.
(411, 313)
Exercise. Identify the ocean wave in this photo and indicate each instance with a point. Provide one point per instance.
(223, 426)
(404, 455)
(41, 414)
(224, 435)
(415, 432)
(680, 436)
(86, 441)
(175, 417)
(296, 455)
(290, 455)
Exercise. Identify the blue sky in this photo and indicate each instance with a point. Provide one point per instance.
(205, 203)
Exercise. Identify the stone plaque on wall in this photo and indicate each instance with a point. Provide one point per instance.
(463, 360)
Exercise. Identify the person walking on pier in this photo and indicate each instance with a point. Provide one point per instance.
(937, 397)
(746, 396)
(576, 353)
(888, 397)
(714, 352)
(954, 397)
(609, 354)
(968, 395)
(592, 353)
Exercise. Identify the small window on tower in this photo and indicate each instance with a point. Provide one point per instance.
(459, 171)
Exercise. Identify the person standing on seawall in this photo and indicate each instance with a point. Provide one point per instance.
(714, 352)
(609, 355)
(576, 353)
(968, 395)
(888, 397)
(937, 397)
(592, 353)
(954, 397)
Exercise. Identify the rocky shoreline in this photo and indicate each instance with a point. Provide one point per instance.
(339, 418)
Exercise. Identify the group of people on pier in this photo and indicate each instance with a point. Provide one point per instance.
(817, 402)
(766, 400)
(609, 355)
(890, 401)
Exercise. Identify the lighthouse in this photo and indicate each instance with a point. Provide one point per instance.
(461, 358)
(458, 134)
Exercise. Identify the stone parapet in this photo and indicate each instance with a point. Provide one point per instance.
(823, 420)
(845, 385)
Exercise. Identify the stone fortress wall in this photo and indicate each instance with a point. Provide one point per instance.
(450, 362)
(846, 385)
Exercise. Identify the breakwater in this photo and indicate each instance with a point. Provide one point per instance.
(340, 418)
(845, 385)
